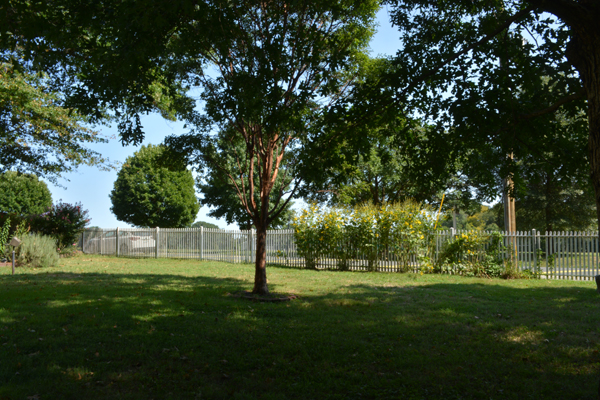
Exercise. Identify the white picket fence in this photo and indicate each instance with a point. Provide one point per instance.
(552, 255)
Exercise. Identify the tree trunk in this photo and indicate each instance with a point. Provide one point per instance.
(549, 217)
(583, 52)
(260, 272)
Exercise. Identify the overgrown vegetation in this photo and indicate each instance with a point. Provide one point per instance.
(403, 234)
(400, 231)
(101, 327)
(37, 251)
(4, 234)
(473, 254)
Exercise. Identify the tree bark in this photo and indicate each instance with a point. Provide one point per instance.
(260, 271)
(583, 52)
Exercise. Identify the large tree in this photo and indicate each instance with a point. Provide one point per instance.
(153, 189)
(23, 194)
(489, 71)
(274, 75)
(266, 70)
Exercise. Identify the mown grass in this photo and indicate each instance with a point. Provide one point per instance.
(100, 327)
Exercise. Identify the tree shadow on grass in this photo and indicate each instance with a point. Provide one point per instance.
(170, 336)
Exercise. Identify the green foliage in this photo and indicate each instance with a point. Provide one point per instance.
(378, 175)
(38, 251)
(38, 133)
(219, 188)
(375, 155)
(204, 224)
(18, 223)
(494, 80)
(473, 254)
(63, 221)
(23, 194)
(393, 231)
(4, 236)
(154, 190)
(482, 220)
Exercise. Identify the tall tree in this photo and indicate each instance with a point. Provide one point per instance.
(153, 189)
(489, 71)
(267, 71)
(23, 194)
(280, 68)
(381, 173)
(376, 155)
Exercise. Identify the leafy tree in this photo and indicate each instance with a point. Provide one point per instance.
(38, 133)
(549, 200)
(153, 189)
(379, 175)
(277, 71)
(23, 194)
(105, 55)
(380, 155)
(219, 191)
(267, 72)
(492, 73)
(204, 224)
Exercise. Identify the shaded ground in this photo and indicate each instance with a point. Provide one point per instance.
(100, 328)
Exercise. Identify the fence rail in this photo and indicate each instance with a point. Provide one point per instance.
(553, 255)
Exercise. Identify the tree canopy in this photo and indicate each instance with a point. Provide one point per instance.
(38, 133)
(266, 72)
(154, 190)
(204, 224)
(492, 75)
(23, 194)
(275, 75)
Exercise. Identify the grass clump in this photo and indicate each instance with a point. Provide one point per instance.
(37, 251)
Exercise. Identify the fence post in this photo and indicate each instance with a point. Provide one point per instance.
(247, 252)
(201, 242)
(535, 248)
(252, 256)
(117, 244)
(156, 245)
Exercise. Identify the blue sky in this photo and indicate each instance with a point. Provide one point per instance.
(92, 187)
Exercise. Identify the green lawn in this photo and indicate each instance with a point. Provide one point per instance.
(107, 328)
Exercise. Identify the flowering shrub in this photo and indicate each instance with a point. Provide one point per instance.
(394, 232)
(63, 221)
(473, 254)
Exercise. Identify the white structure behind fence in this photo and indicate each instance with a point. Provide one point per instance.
(553, 255)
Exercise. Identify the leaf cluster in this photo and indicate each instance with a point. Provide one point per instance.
(23, 194)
